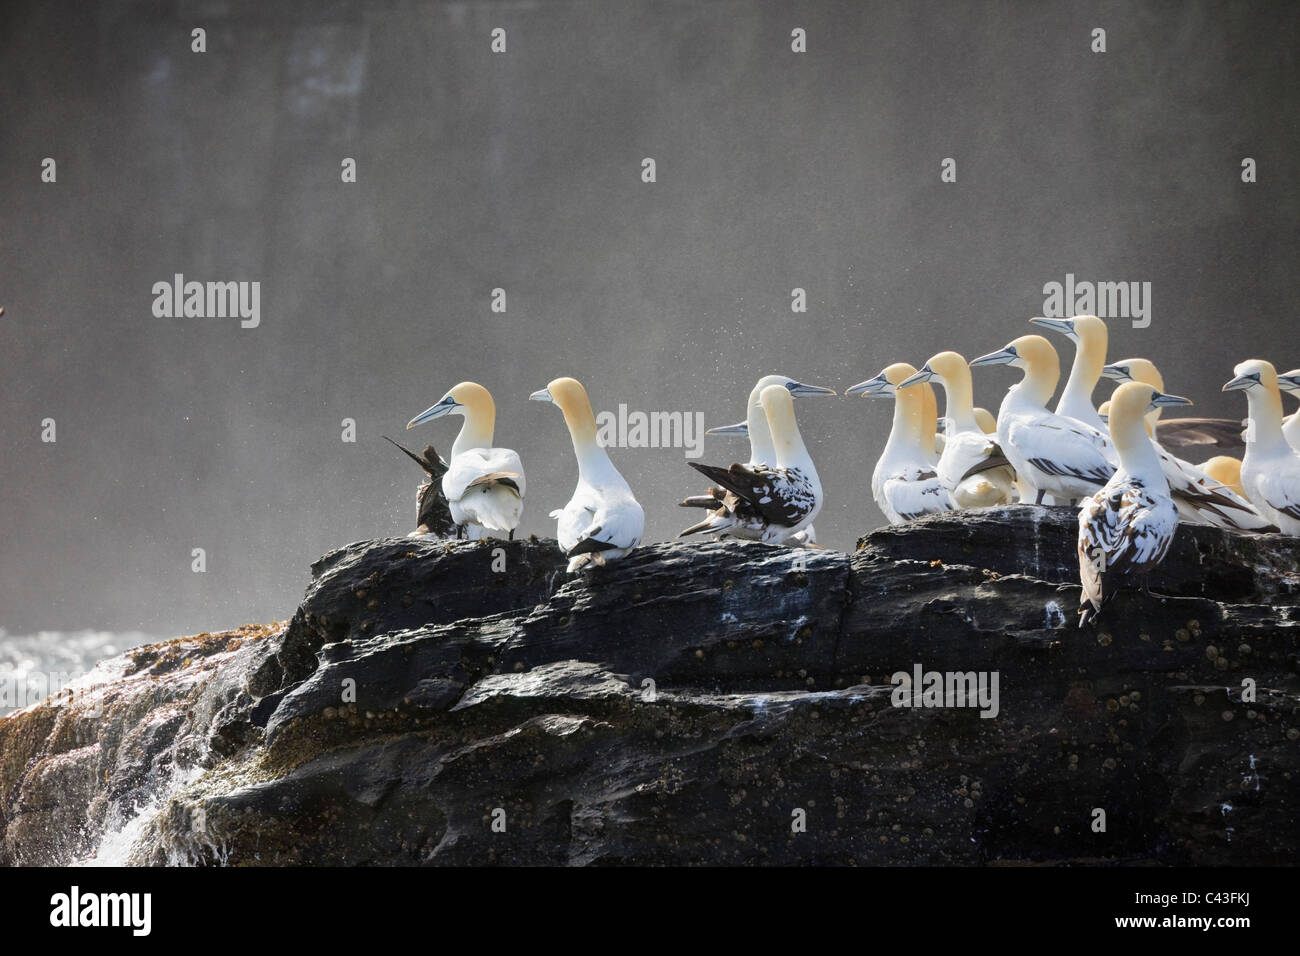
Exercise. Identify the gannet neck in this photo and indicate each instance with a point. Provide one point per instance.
(1265, 405)
(1089, 359)
(760, 437)
(787, 443)
(480, 412)
(907, 434)
(1128, 432)
(1042, 369)
(958, 391)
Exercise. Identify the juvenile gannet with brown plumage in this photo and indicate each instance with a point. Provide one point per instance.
(483, 485)
(1200, 497)
(603, 520)
(760, 453)
(1089, 335)
(1270, 470)
(775, 500)
(1052, 454)
(1126, 527)
(905, 483)
(971, 468)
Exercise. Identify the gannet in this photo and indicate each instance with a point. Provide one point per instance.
(1200, 497)
(1088, 333)
(1052, 454)
(1226, 470)
(432, 516)
(1126, 527)
(905, 483)
(1178, 435)
(760, 452)
(602, 520)
(484, 486)
(1290, 382)
(774, 501)
(1270, 470)
(971, 468)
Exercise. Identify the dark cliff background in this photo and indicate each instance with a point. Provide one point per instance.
(522, 170)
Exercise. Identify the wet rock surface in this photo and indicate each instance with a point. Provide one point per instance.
(435, 702)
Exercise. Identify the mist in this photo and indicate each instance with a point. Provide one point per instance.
(522, 171)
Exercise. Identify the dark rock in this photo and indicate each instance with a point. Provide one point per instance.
(688, 703)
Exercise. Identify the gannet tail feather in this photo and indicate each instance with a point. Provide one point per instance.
(590, 545)
(507, 479)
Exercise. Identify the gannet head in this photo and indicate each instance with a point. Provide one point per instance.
(1252, 374)
(1135, 370)
(1130, 404)
(886, 383)
(793, 386)
(1085, 329)
(1025, 352)
(1103, 412)
(469, 399)
(778, 405)
(567, 393)
(946, 366)
(1289, 381)
(986, 422)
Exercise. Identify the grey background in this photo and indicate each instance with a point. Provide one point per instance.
(522, 170)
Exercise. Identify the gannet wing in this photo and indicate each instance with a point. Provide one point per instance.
(772, 492)
(1198, 434)
(913, 497)
(1064, 448)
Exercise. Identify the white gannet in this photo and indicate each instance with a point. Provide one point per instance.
(484, 486)
(1052, 454)
(602, 520)
(760, 451)
(1126, 527)
(1270, 471)
(971, 468)
(904, 483)
(1089, 335)
(774, 501)
(1226, 470)
(1200, 497)
(1290, 382)
(1178, 435)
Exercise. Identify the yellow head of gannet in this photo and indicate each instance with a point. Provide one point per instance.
(1226, 470)
(1036, 356)
(472, 401)
(953, 373)
(1138, 370)
(985, 421)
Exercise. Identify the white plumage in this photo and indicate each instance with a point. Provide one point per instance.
(1089, 335)
(602, 520)
(1126, 527)
(1052, 454)
(484, 486)
(972, 467)
(1270, 469)
(904, 482)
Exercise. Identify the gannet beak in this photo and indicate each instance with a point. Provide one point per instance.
(1116, 373)
(799, 388)
(1105, 419)
(541, 395)
(1000, 357)
(1160, 399)
(1064, 326)
(444, 406)
(1240, 382)
(872, 386)
(1289, 381)
(740, 428)
(924, 375)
